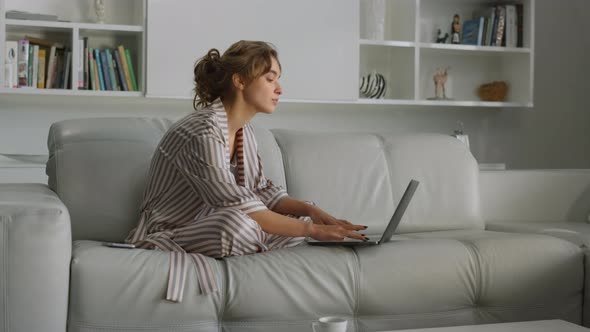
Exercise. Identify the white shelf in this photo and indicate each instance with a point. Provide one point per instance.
(463, 103)
(129, 30)
(394, 43)
(403, 54)
(458, 47)
(68, 92)
(71, 25)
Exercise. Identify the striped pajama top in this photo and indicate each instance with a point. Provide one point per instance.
(190, 177)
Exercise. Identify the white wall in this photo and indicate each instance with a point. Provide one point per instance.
(554, 134)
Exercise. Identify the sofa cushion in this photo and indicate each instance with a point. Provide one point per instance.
(448, 194)
(271, 156)
(98, 169)
(419, 280)
(345, 174)
(575, 232)
(124, 290)
(469, 277)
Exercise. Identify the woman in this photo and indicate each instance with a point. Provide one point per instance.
(206, 192)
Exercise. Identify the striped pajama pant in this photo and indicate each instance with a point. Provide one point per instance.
(230, 232)
(224, 232)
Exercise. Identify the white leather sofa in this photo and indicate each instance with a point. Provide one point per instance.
(445, 266)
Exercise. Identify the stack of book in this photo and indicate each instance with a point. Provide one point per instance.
(106, 69)
(38, 63)
(500, 25)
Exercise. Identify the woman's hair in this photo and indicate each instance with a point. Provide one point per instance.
(213, 73)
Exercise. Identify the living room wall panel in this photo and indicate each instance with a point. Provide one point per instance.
(317, 42)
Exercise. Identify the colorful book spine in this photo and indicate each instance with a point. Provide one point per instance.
(90, 57)
(511, 28)
(112, 76)
(121, 73)
(501, 25)
(35, 69)
(96, 76)
(11, 64)
(105, 71)
(41, 69)
(131, 71)
(30, 65)
(67, 70)
(99, 69)
(80, 69)
(125, 67)
(116, 71)
(51, 65)
(86, 64)
(23, 62)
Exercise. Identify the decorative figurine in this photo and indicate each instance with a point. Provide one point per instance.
(99, 10)
(441, 39)
(440, 79)
(456, 30)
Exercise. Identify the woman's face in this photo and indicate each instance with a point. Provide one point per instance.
(263, 93)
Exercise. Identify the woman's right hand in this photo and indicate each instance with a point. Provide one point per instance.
(336, 232)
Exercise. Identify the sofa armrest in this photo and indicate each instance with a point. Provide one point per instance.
(35, 254)
(535, 195)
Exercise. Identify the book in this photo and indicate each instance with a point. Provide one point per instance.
(41, 69)
(35, 64)
(112, 76)
(90, 58)
(96, 76)
(510, 29)
(121, 73)
(59, 68)
(51, 66)
(519, 25)
(501, 14)
(492, 27)
(86, 65)
(123, 57)
(30, 66)
(22, 15)
(471, 31)
(105, 71)
(131, 71)
(67, 65)
(98, 68)
(80, 69)
(11, 64)
(23, 63)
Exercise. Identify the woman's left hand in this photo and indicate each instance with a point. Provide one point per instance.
(320, 217)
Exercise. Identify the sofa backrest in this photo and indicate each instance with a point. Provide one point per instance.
(98, 167)
(362, 177)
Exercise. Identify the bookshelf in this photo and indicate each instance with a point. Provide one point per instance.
(124, 24)
(406, 54)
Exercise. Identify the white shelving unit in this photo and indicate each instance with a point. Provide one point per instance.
(124, 25)
(407, 56)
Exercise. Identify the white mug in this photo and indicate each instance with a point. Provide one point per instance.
(330, 324)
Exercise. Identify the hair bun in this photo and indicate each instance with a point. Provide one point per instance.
(213, 55)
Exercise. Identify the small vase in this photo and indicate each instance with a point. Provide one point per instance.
(99, 10)
(373, 19)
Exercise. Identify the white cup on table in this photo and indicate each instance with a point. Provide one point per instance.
(330, 324)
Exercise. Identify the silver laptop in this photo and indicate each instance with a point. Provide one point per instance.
(389, 230)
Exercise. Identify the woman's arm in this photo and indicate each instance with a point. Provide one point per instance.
(290, 205)
(275, 223)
